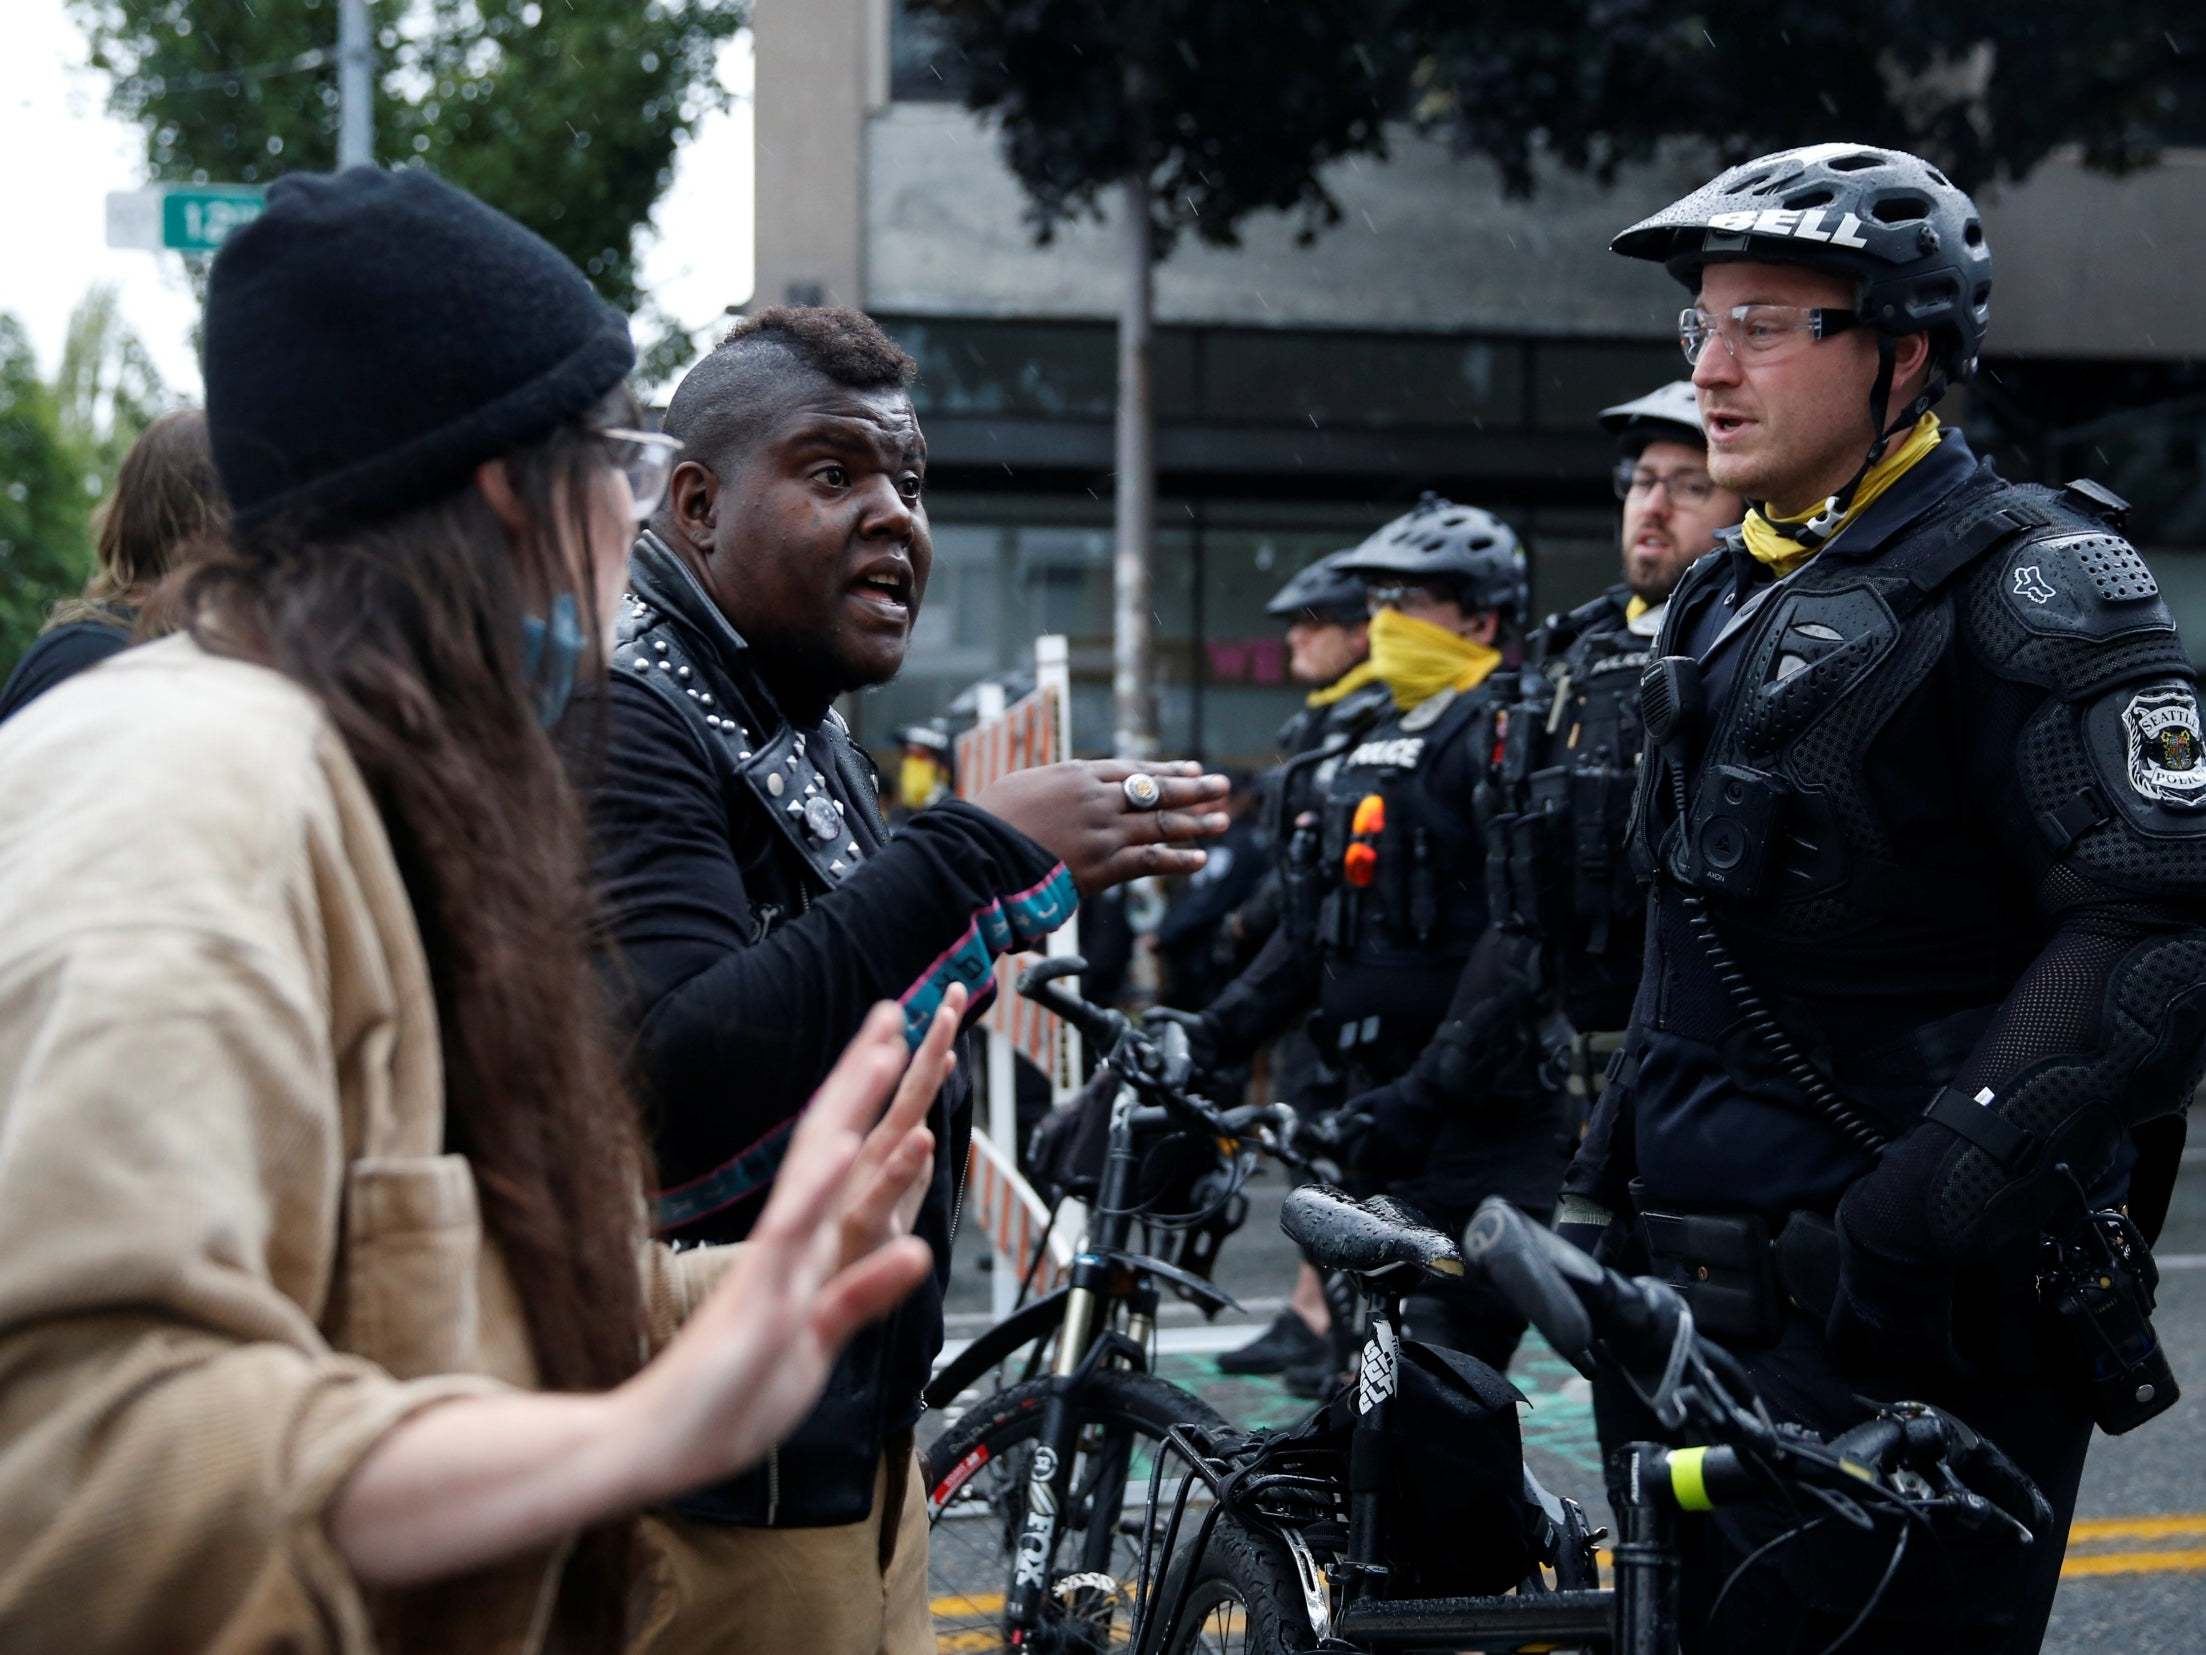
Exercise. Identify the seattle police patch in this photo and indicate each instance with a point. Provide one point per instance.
(2166, 763)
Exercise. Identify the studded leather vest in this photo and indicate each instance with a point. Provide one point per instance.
(803, 801)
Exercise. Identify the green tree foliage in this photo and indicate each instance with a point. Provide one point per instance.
(564, 113)
(1226, 107)
(45, 541)
(107, 391)
(1986, 88)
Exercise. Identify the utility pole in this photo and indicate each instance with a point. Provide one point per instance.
(355, 86)
(1133, 639)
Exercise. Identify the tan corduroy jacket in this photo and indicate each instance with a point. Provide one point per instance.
(232, 1251)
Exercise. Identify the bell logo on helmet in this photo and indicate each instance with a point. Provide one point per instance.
(1789, 221)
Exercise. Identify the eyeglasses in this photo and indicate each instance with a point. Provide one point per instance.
(1407, 596)
(1760, 333)
(646, 459)
(1685, 488)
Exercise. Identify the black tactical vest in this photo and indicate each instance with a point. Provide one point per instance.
(1569, 762)
(1400, 864)
(1314, 740)
(1806, 780)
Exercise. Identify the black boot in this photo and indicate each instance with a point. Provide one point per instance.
(1285, 1344)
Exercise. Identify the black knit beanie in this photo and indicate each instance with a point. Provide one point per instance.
(374, 336)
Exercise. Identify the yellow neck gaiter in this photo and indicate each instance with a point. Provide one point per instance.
(920, 782)
(1418, 659)
(1783, 554)
(1636, 608)
(1347, 684)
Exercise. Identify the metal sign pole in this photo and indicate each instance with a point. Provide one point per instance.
(1003, 1079)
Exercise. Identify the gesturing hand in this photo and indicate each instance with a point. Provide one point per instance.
(1079, 812)
(830, 1253)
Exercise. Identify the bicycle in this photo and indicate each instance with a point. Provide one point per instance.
(1296, 1550)
(1049, 1459)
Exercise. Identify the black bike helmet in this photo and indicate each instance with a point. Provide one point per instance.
(1671, 414)
(1324, 590)
(1472, 551)
(1910, 239)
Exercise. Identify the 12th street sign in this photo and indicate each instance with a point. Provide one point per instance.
(184, 218)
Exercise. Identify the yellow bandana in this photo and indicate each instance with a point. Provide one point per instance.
(920, 782)
(1783, 554)
(1347, 684)
(1418, 659)
(1636, 608)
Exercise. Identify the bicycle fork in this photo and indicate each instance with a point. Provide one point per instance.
(1049, 1475)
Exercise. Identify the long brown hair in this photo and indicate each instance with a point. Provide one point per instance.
(166, 506)
(408, 631)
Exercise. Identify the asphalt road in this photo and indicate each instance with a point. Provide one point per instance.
(2135, 1580)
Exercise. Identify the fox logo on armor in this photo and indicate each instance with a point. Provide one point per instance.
(2164, 747)
(2031, 584)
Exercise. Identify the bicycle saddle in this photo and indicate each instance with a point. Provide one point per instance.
(1365, 1238)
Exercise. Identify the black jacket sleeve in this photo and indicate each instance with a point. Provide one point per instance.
(739, 1012)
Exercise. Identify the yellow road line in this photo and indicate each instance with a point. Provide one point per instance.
(2134, 1563)
(2137, 1528)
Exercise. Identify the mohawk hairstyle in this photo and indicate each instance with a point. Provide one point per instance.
(847, 346)
(729, 399)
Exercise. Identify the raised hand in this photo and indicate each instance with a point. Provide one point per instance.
(1080, 812)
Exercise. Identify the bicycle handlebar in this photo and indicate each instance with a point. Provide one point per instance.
(1908, 1452)
(1571, 1299)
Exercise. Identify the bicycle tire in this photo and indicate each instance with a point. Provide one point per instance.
(1241, 1596)
(976, 1474)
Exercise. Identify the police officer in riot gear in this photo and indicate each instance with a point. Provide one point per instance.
(1328, 647)
(1393, 870)
(1570, 752)
(1926, 971)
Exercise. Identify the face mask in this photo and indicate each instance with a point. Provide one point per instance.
(919, 781)
(550, 651)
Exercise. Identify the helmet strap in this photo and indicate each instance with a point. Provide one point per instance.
(1825, 523)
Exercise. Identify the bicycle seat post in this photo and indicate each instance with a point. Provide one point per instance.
(1377, 1375)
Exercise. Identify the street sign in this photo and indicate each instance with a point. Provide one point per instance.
(184, 218)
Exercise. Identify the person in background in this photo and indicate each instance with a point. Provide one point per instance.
(167, 506)
(326, 1309)
(1328, 651)
(923, 770)
(1397, 859)
(1564, 887)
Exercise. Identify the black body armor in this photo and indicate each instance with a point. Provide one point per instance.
(1568, 762)
(1920, 803)
(1399, 870)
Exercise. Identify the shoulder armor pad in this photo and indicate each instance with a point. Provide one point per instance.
(2080, 580)
(2071, 605)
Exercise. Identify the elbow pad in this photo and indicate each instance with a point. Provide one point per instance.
(2002, 1180)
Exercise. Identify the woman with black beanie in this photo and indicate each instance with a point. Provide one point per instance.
(327, 1318)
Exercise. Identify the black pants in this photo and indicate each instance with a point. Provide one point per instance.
(1804, 1592)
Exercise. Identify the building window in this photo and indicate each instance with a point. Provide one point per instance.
(924, 65)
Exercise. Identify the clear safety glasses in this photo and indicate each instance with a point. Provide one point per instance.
(1760, 333)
